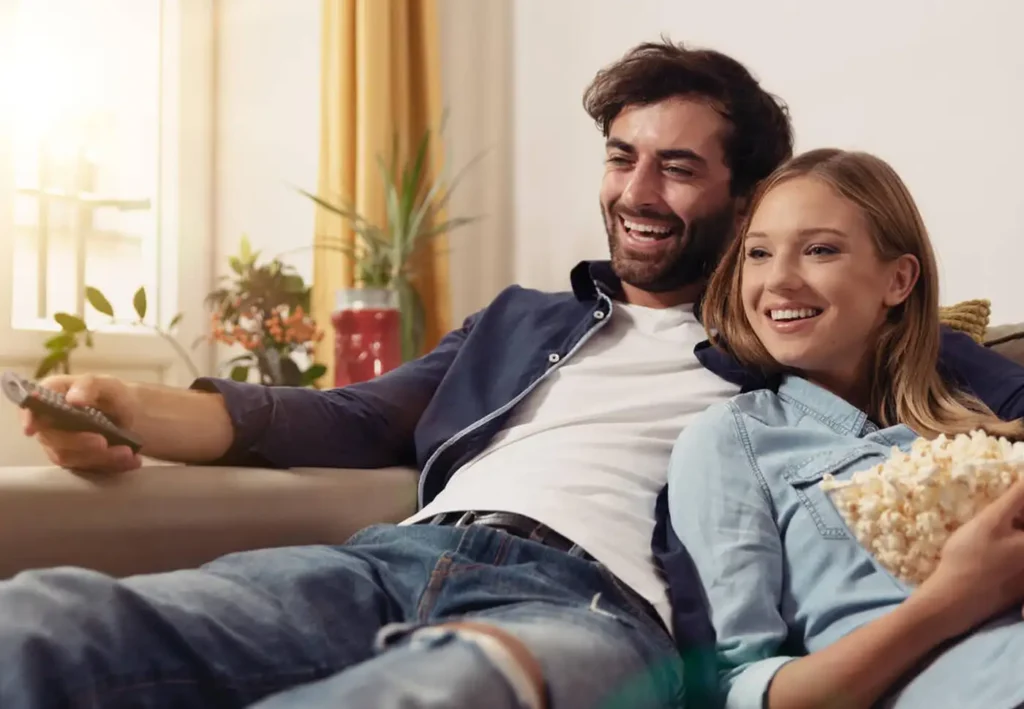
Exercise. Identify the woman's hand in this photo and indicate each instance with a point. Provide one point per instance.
(981, 571)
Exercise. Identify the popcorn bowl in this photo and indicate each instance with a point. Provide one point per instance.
(904, 509)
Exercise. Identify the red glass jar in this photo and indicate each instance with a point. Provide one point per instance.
(367, 334)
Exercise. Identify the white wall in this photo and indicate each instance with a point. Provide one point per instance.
(268, 126)
(935, 88)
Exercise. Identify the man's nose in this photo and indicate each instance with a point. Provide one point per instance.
(643, 188)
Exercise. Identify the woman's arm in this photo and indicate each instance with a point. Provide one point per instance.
(857, 670)
(726, 522)
(980, 575)
(722, 516)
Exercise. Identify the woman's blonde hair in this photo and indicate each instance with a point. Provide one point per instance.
(906, 385)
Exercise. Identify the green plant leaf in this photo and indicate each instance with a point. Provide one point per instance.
(139, 303)
(247, 357)
(70, 323)
(99, 301)
(245, 250)
(294, 284)
(175, 320)
(359, 224)
(413, 179)
(236, 265)
(314, 372)
(445, 227)
(51, 362)
(426, 211)
(63, 341)
(240, 373)
(413, 318)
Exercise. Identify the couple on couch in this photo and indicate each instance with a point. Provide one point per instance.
(572, 547)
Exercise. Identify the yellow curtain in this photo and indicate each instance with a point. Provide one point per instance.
(380, 77)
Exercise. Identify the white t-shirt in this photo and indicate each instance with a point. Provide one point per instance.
(587, 452)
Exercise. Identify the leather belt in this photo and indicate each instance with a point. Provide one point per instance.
(516, 525)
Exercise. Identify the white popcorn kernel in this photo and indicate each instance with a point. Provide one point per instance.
(904, 510)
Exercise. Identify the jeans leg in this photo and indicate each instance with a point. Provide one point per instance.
(590, 657)
(224, 635)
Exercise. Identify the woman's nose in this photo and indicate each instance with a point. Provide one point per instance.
(784, 275)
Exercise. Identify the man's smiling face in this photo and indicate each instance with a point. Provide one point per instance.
(665, 197)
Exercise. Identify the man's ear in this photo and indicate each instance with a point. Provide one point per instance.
(905, 272)
(741, 206)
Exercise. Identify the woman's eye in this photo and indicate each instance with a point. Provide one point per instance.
(822, 250)
(757, 253)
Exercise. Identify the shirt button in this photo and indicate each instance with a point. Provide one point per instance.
(598, 315)
(554, 357)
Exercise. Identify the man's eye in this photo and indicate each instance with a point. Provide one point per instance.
(679, 171)
(616, 160)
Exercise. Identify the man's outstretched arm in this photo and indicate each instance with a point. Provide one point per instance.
(223, 422)
(366, 425)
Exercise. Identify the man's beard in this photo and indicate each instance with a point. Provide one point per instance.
(692, 257)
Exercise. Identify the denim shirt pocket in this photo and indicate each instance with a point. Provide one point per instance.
(805, 477)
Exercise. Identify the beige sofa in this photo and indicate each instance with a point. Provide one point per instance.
(165, 517)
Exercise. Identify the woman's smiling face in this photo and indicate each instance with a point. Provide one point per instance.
(813, 286)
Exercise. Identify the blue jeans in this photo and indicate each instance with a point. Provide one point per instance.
(361, 625)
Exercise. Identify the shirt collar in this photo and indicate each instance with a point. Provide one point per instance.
(590, 277)
(819, 402)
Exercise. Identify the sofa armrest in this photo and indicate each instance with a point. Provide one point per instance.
(164, 517)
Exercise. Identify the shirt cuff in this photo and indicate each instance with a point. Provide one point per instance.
(250, 409)
(749, 689)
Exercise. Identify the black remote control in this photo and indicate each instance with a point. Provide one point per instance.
(68, 417)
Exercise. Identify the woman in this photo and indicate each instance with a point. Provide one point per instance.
(832, 286)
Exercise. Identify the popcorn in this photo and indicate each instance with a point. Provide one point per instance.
(904, 509)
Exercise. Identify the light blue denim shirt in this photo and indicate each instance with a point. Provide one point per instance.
(783, 574)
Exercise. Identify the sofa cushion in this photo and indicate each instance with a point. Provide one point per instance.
(1007, 340)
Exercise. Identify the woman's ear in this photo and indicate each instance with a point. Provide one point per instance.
(906, 270)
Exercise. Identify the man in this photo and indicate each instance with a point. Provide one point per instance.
(543, 429)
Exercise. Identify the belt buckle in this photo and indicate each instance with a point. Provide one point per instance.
(466, 519)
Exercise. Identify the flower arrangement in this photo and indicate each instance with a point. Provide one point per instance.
(904, 509)
(265, 310)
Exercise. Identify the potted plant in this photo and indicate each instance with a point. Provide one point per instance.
(384, 254)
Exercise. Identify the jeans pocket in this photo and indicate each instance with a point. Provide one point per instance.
(624, 598)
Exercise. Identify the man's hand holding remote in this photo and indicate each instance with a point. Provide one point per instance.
(173, 424)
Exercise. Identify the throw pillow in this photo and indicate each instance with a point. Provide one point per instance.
(969, 316)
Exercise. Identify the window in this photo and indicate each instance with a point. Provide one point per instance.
(87, 87)
(105, 179)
